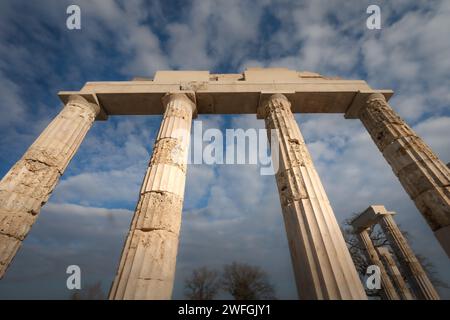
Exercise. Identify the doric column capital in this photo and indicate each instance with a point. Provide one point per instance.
(374, 100)
(362, 100)
(188, 98)
(376, 96)
(272, 102)
(79, 101)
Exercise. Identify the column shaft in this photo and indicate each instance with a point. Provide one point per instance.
(420, 283)
(387, 288)
(395, 273)
(147, 265)
(28, 184)
(322, 264)
(425, 178)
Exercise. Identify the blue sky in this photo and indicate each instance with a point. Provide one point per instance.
(231, 212)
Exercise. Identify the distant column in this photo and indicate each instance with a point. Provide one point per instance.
(147, 266)
(424, 177)
(30, 182)
(322, 264)
(387, 288)
(395, 273)
(421, 284)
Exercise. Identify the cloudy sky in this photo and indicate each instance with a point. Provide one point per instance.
(231, 212)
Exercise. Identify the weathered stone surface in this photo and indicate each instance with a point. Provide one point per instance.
(322, 264)
(420, 283)
(164, 178)
(387, 288)
(382, 123)
(395, 274)
(16, 224)
(27, 185)
(30, 182)
(169, 151)
(291, 186)
(406, 151)
(434, 206)
(147, 266)
(159, 211)
(425, 178)
(8, 247)
(153, 255)
(423, 175)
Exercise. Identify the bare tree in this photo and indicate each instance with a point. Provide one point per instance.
(430, 269)
(246, 282)
(379, 239)
(92, 292)
(203, 284)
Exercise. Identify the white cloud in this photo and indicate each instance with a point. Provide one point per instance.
(12, 107)
(101, 188)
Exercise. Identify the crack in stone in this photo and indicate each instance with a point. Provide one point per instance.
(34, 212)
(42, 162)
(162, 193)
(151, 279)
(147, 230)
(10, 236)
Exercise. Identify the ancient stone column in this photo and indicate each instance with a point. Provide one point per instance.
(394, 272)
(29, 183)
(425, 178)
(147, 266)
(420, 283)
(322, 264)
(387, 288)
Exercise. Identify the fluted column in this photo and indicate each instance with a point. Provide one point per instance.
(425, 178)
(28, 184)
(322, 264)
(387, 288)
(147, 265)
(395, 273)
(420, 283)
